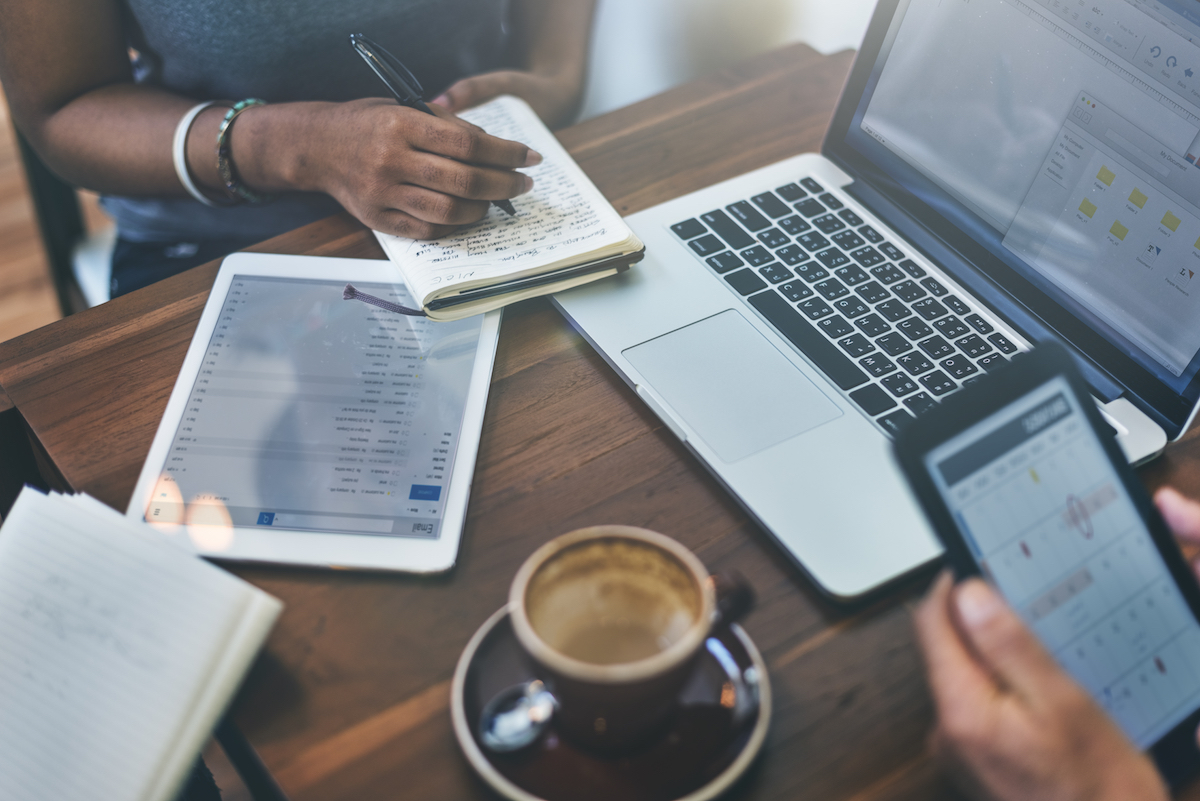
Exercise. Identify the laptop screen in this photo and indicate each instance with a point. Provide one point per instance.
(1063, 137)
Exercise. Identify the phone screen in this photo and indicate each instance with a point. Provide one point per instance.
(1049, 522)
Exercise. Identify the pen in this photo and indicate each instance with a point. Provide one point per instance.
(403, 85)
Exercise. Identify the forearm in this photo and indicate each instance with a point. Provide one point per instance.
(555, 36)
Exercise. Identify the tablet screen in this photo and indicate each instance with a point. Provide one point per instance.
(313, 413)
(1049, 522)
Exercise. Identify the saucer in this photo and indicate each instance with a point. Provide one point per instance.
(721, 723)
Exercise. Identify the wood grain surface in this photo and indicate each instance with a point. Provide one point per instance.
(349, 699)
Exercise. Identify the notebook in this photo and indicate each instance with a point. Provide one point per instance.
(120, 652)
(564, 233)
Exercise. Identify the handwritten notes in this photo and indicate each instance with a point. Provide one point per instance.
(562, 218)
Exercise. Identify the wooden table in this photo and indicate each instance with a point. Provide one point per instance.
(349, 699)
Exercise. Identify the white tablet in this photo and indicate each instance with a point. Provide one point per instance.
(308, 429)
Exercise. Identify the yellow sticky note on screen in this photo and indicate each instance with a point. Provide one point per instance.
(1171, 221)
(1106, 176)
(1118, 230)
(1138, 199)
(1198, 244)
(1088, 207)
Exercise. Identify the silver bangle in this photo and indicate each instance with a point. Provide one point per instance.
(179, 152)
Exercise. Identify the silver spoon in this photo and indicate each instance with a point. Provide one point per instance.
(516, 717)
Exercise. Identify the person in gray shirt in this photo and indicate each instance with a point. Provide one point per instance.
(101, 87)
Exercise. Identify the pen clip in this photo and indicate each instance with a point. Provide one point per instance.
(404, 84)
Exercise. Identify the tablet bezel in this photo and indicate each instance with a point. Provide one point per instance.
(1176, 752)
(289, 547)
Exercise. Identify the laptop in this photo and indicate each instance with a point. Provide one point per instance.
(997, 173)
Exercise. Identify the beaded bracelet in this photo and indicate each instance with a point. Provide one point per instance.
(225, 159)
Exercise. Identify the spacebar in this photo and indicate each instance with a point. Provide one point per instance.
(811, 342)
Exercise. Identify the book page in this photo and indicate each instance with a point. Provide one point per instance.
(109, 636)
(563, 216)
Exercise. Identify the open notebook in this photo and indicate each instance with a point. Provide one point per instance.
(119, 652)
(564, 233)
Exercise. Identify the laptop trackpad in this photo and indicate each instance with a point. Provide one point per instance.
(731, 385)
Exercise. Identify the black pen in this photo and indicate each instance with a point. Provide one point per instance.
(403, 85)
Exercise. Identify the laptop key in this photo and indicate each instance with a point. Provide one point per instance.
(850, 217)
(847, 240)
(935, 289)
(951, 327)
(856, 345)
(959, 367)
(724, 262)
(733, 234)
(938, 383)
(835, 327)
(991, 361)
(870, 234)
(914, 363)
(894, 310)
(896, 421)
(893, 344)
(912, 268)
(891, 251)
(816, 308)
(773, 238)
(812, 272)
(914, 329)
(776, 273)
(979, 324)
(813, 241)
(832, 258)
(872, 400)
(792, 254)
(908, 291)
(832, 202)
(831, 289)
(707, 245)
(936, 347)
(973, 346)
(745, 282)
(868, 256)
(929, 308)
(794, 225)
(887, 273)
(771, 205)
(876, 364)
(851, 274)
(899, 385)
(1002, 344)
(851, 307)
(828, 223)
(920, 403)
(791, 192)
(873, 293)
(956, 305)
(824, 354)
(796, 291)
(757, 256)
(872, 325)
(689, 229)
(748, 216)
(810, 207)
(812, 186)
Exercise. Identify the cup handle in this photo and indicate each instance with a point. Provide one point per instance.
(735, 597)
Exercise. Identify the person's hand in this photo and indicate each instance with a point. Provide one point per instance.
(555, 99)
(396, 169)
(1011, 724)
(1182, 515)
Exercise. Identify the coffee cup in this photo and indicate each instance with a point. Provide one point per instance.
(613, 619)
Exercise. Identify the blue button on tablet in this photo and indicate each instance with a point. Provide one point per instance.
(266, 518)
(424, 492)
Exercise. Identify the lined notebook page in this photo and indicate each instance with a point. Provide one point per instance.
(109, 637)
(563, 215)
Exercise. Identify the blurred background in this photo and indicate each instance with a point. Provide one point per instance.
(640, 48)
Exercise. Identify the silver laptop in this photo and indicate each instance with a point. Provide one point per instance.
(998, 172)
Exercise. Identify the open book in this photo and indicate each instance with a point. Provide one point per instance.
(119, 651)
(564, 233)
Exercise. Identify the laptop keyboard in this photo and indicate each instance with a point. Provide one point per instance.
(895, 338)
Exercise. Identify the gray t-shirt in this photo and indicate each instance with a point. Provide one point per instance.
(288, 50)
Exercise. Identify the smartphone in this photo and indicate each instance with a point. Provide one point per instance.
(1025, 485)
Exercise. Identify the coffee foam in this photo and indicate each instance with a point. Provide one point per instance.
(612, 601)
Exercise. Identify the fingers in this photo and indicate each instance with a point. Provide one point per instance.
(435, 207)
(466, 181)
(402, 224)
(1182, 514)
(1005, 646)
(470, 145)
(475, 90)
(960, 686)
